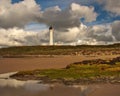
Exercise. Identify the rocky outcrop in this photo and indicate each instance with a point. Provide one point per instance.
(100, 61)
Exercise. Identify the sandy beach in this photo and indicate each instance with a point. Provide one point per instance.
(31, 63)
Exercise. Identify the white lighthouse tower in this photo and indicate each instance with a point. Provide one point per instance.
(51, 30)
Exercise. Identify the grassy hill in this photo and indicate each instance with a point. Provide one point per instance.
(61, 50)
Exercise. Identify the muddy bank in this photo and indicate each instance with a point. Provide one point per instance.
(82, 81)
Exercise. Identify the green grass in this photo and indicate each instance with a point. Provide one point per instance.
(57, 50)
(77, 72)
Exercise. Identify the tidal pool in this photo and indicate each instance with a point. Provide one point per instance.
(12, 87)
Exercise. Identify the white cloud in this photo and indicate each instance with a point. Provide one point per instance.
(14, 17)
(116, 30)
(24, 12)
(83, 12)
(19, 37)
(111, 5)
(98, 34)
(101, 33)
(68, 28)
(68, 18)
(18, 14)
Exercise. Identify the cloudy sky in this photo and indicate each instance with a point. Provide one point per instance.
(26, 22)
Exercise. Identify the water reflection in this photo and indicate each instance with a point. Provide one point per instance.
(12, 87)
(6, 75)
(29, 85)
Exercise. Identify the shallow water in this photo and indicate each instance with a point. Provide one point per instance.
(12, 87)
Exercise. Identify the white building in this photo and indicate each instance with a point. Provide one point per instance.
(51, 31)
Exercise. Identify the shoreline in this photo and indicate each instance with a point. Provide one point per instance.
(56, 62)
(55, 56)
(84, 72)
(46, 80)
(83, 81)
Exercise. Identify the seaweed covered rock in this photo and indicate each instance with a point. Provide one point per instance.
(100, 61)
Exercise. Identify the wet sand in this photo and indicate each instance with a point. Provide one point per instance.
(19, 64)
(107, 90)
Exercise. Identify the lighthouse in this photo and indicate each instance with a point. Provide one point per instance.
(51, 30)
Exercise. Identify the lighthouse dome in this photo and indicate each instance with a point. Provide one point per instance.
(50, 27)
